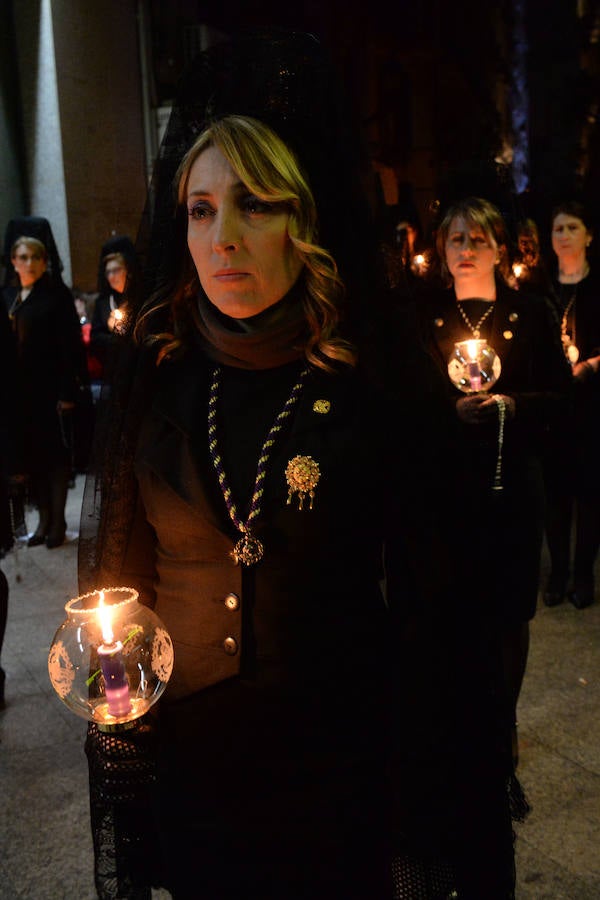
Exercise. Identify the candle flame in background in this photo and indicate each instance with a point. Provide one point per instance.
(472, 350)
(419, 264)
(518, 270)
(118, 315)
(104, 615)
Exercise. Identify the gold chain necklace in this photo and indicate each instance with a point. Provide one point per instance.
(565, 317)
(475, 329)
(569, 341)
(249, 549)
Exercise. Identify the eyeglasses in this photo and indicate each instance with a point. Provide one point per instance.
(22, 257)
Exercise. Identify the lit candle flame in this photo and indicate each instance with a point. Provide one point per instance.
(419, 263)
(118, 315)
(472, 350)
(517, 270)
(105, 621)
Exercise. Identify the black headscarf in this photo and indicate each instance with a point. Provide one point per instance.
(118, 243)
(35, 227)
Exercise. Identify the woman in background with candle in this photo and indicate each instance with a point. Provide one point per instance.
(571, 457)
(118, 279)
(529, 268)
(500, 531)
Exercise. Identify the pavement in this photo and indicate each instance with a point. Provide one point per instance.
(45, 840)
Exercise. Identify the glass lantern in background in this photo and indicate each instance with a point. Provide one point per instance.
(111, 658)
(474, 366)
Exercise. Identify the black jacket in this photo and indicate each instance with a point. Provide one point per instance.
(498, 534)
(50, 366)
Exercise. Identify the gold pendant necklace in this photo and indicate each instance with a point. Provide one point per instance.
(569, 340)
(249, 549)
(475, 329)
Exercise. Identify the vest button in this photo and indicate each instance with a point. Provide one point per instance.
(232, 602)
(230, 646)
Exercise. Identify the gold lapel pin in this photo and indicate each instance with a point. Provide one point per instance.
(302, 475)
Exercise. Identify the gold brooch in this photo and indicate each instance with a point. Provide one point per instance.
(302, 475)
(321, 406)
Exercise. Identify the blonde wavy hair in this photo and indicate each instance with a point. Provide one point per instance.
(270, 171)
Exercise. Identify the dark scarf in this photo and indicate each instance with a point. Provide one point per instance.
(271, 338)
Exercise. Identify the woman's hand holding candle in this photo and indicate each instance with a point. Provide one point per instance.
(476, 409)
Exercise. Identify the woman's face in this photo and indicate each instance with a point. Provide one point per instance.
(29, 265)
(529, 249)
(570, 237)
(116, 275)
(240, 246)
(470, 255)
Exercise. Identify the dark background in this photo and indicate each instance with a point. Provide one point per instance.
(436, 83)
(498, 99)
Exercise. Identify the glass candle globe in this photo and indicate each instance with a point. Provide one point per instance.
(111, 658)
(474, 366)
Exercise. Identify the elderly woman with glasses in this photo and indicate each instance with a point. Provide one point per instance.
(47, 378)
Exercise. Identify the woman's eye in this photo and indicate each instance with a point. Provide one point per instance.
(254, 206)
(199, 211)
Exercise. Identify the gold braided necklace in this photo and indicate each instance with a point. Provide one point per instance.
(475, 329)
(249, 549)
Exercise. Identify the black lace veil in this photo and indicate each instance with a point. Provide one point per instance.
(288, 80)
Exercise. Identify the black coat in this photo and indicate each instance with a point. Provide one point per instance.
(50, 366)
(9, 430)
(499, 533)
(101, 337)
(573, 454)
(291, 676)
(340, 682)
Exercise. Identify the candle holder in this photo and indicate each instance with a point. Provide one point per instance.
(111, 658)
(474, 366)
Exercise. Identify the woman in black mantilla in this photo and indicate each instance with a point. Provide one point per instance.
(118, 281)
(48, 378)
(249, 489)
(499, 521)
(571, 458)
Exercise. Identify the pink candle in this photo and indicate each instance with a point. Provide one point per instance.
(474, 376)
(473, 366)
(110, 654)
